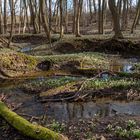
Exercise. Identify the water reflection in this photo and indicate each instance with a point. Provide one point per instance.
(128, 68)
(119, 64)
(69, 111)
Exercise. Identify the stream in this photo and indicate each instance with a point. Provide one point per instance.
(66, 111)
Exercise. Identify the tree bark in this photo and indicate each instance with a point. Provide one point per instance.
(79, 9)
(74, 16)
(136, 17)
(12, 21)
(95, 10)
(44, 19)
(61, 20)
(116, 19)
(33, 13)
(1, 29)
(50, 14)
(5, 16)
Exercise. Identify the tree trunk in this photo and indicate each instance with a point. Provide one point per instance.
(61, 20)
(95, 10)
(116, 19)
(5, 16)
(12, 21)
(27, 19)
(1, 29)
(99, 16)
(50, 14)
(136, 17)
(74, 16)
(124, 15)
(79, 9)
(66, 16)
(102, 16)
(44, 19)
(33, 13)
(90, 9)
(20, 16)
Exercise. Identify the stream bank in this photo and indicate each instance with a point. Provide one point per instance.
(113, 100)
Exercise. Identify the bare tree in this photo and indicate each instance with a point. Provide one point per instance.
(5, 16)
(1, 29)
(137, 16)
(116, 19)
(12, 21)
(79, 9)
(44, 18)
(61, 20)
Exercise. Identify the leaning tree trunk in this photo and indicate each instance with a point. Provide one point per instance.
(116, 19)
(44, 19)
(26, 128)
(136, 17)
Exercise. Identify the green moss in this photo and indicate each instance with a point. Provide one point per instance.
(34, 131)
(29, 60)
(94, 60)
(14, 63)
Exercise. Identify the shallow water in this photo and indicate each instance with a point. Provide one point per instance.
(119, 64)
(66, 111)
(69, 111)
(62, 111)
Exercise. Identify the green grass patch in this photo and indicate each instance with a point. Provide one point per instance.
(116, 84)
(98, 60)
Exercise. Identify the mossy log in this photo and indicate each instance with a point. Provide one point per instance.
(26, 128)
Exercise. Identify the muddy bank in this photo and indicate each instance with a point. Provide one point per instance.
(106, 46)
(90, 95)
(77, 120)
(38, 45)
(36, 39)
(80, 118)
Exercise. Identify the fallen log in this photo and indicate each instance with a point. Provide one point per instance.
(26, 128)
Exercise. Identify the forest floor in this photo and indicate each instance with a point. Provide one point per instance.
(92, 82)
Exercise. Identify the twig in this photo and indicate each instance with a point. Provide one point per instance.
(77, 94)
(30, 116)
